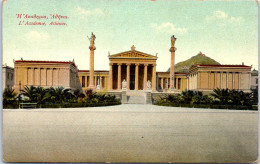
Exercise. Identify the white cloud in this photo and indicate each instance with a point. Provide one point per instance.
(86, 12)
(222, 16)
(37, 35)
(170, 28)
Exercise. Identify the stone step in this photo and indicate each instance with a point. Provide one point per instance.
(136, 100)
(135, 93)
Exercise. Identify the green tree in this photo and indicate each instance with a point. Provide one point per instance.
(221, 95)
(9, 96)
(30, 92)
(60, 95)
(187, 96)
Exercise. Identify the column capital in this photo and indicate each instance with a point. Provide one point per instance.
(146, 65)
(111, 64)
(119, 64)
(172, 49)
(154, 65)
(137, 64)
(92, 47)
(128, 63)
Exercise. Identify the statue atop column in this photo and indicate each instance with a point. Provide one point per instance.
(173, 39)
(92, 39)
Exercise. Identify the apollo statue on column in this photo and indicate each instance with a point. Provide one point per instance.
(92, 39)
(173, 39)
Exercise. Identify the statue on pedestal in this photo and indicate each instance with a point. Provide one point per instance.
(98, 85)
(124, 85)
(149, 85)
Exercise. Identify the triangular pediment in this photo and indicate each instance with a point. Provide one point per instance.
(133, 54)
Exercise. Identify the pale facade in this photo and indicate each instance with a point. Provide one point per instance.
(254, 79)
(209, 77)
(46, 74)
(136, 68)
(7, 77)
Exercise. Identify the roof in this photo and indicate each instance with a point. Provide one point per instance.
(47, 62)
(174, 73)
(235, 66)
(133, 54)
(94, 71)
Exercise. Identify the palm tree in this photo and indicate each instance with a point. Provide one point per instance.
(42, 95)
(9, 96)
(60, 95)
(222, 95)
(30, 92)
(187, 96)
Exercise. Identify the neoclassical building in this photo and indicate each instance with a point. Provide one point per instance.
(137, 69)
(46, 74)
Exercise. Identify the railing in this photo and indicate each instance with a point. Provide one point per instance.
(27, 105)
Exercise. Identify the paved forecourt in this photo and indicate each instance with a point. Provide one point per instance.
(130, 133)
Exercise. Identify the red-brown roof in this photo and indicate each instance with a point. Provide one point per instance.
(201, 65)
(50, 62)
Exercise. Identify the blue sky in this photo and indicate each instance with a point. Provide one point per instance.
(226, 31)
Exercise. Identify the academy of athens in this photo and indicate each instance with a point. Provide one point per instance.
(132, 70)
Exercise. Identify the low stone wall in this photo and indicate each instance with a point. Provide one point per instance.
(118, 94)
(158, 95)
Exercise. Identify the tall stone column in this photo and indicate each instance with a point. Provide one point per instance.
(110, 85)
(95, 81)
(145, 77)
(128, 75)
(154, 78)
(91, 65)
(136, 76)
(177, 83)
(221, 77)
(167, 83)
(119, 77)
(233, 80)
(162, 83)
(100, 82)
(172, 50)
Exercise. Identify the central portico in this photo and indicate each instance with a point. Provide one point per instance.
(133, 66)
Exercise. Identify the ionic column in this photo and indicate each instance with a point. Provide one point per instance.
(215, 80)
(221, 76)
(100, 82)
(177, 83)
(110, 86)
(145, 77)
(172, 71)
(95, 81)
(136, 76)
(209, 77)
(128, 75)
(119, 77)
(227, 76)
(154, 78)
(161, 82)
(239, 81)
(233, 80)
(166, 83)
(86, 81)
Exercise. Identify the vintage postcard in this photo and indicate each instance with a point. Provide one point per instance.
(165, 81)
